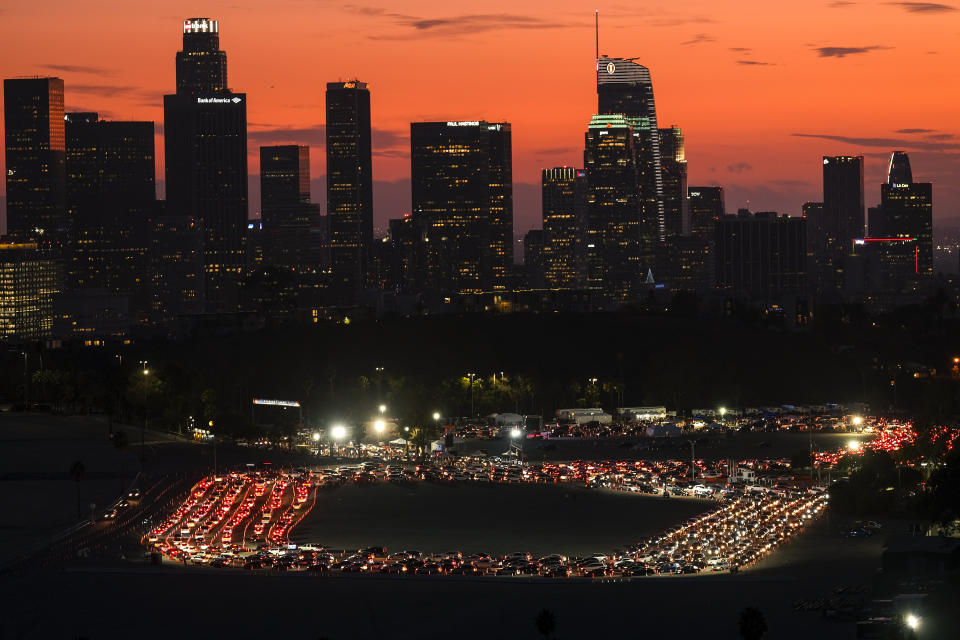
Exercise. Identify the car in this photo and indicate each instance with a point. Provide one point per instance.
(857, 533)
(593, 570)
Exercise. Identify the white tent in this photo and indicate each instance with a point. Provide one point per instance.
(399, 441)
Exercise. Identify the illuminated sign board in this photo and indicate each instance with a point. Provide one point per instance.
(234, 100)
(277, 403)
(200, 25)
(464, 123)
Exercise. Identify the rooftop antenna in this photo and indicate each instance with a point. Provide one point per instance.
(596, 28)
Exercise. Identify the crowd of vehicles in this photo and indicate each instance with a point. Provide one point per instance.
(245, 519)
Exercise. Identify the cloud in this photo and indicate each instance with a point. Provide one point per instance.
(556, 151)
(756, 63)
(792, 184)
(914, 131)
(841, 4)
(108, 90)
(313, 136)
(740, 167)
(741, 49)
(890, 143)
(700, 38)
(680, 21)
(457, 24)
(385, 142)
(103, 115)
(924, 7)
(76, 68)
(842, 52)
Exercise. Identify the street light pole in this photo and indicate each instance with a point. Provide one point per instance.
(471, 376)
(693, 460)
(143, 429)
(26, 382)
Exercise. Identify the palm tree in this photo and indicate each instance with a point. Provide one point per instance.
(545, 622)
(77, 472)
(752, 624)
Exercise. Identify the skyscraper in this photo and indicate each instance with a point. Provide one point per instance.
(691, 255)
(462, 188)
(28, 282)
(110, 194)
(762, 256)
(619, 238)
(905, 211)
(706, 208)
(843, 206)
(35, 155)
(624, 87)
(564, 204)
(205, 133)
(533, 258)
(201, 66)
(284, 184)
(287, 215)
(841, 221)
(349, 186)
(673, 165)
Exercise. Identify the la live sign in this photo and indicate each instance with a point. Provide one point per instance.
(200, 25)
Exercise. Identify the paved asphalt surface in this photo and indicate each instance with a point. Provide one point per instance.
(489, 518)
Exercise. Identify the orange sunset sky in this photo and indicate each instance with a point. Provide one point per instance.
(761, 89)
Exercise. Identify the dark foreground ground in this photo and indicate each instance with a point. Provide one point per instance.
(105, 597)
(115, 600)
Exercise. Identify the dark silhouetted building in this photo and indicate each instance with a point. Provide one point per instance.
(690, 257)
(175, 269)
(349, 187)
(673, 166)
(905, 211)
(706, 208)
(462, 188)
(286, 213)
(841, 220)
(533, 243)
(624, 87)
(35, 155)
(564, 205)
(885, 269)
(205, 134)
(284, 184)
(761, 256)
(404, 262)
(28, 283)
(110, 194)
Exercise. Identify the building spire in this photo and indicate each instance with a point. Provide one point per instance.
(596, 29)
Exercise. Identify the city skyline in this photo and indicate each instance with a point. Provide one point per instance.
(778, 169)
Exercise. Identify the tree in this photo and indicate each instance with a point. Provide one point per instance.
(752, 624)
(77, 471)
(545, 622)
